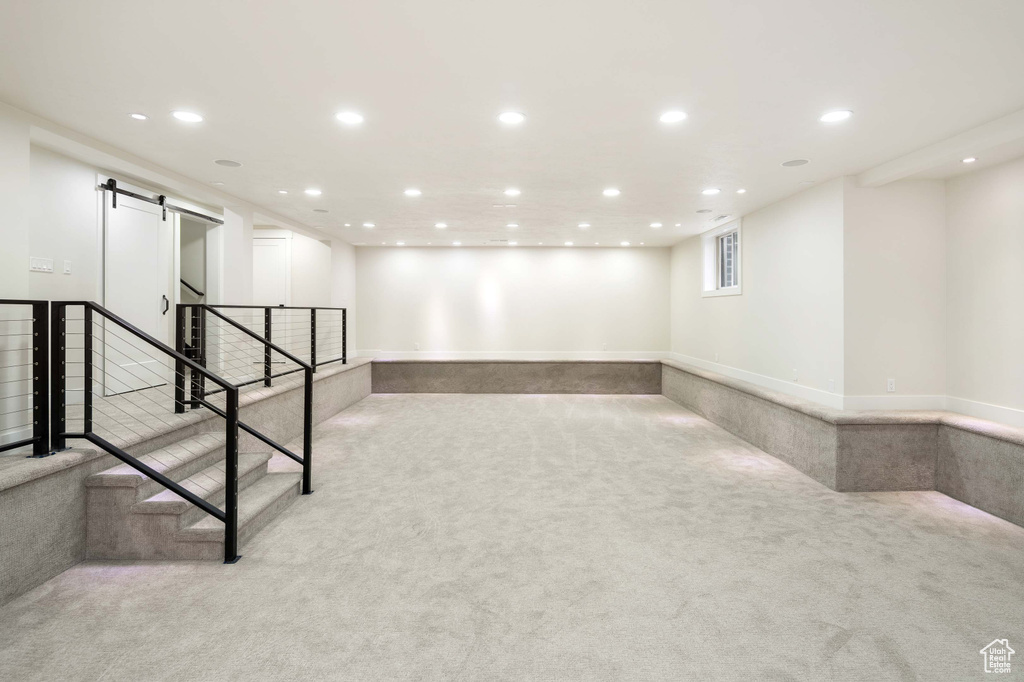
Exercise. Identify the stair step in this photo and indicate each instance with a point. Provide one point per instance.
(207, 484)
(260, 503)
(177, 461)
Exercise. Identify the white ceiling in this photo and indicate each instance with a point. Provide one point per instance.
(592, 77)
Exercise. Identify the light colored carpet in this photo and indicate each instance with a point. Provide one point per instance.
(564, 537)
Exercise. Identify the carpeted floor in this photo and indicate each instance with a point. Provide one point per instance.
(522, 537)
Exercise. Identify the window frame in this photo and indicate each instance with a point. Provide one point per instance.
(712, 259)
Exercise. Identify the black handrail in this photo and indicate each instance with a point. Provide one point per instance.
(198, 393)
(192, 288)
(268, 330)
(60, 434)
(40, 440)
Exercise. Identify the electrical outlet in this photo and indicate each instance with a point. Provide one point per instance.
(795, 378)
(40, 264)
(890, 385)
(716, 357)
(67, 267)
(416, 345)
(831, 385)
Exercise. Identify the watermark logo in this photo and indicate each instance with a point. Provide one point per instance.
(997, 656)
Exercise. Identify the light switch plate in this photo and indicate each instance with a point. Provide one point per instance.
(67, 267)
(40, 264)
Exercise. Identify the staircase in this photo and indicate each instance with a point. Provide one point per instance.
(131, 516)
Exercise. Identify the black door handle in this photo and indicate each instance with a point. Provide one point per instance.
(167, 304)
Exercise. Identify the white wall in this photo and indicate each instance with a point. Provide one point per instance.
(894, 295)
(512, 302)
(343, 284)
(985, 292)
(14, 197)
(311, 271)
(65, 221)
(789, 319)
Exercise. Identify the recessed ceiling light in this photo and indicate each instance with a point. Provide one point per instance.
(314, 192)
(836, 116)
(228, 163)
(679, 224)
(597, 243)
(400, 243)
(795, 162)
(673, 116)
(216, 183)
(655, 225)
(741, 191)
(513, 243)
(282, 191)
(440, 226)
(187, 116)
(568, 243)
(383, 243)
(512, 225)
(710, 190)
(412, 192)
(349, 118)
(641, 243)
(512, 117)
(369, 225)
(512, 192)
(611, 192)
(969, 159)
(456, 243)
(704, 210)
(540, 243)
(320, 210)
(139, 117)
(623, 243)
(584, 225)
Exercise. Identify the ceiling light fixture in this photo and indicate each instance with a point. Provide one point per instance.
(456, 243)
(228, 163)
(314, 192)
(370, 225)
(673, 116)
(655, 225)
(400, 243)
(513, 243)
(187, 116)
(216, 183)
(512, 192)
(282, 191)
(741, 191)
(710, 191)
(611, 192)
(568, 243)
(836, 116)
(412, 192)
(139, 117)
(623, 243)
(512, 225)
(512, 117)
(795, 162)
(969, 159)
(348, 224)
(584, 225)
(440, 226)
(349, 118)
(679, 224)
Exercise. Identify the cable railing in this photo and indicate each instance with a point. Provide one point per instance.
(24, 383)
(245, 357)
(111, 384)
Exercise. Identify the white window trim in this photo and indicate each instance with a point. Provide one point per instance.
(709, 255)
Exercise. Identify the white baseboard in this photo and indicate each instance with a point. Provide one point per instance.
(996, 413)
(788, 387)
(894, 402)
(510, 355)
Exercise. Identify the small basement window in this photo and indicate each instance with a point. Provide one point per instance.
(722, 260)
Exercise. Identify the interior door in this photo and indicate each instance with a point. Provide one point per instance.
(138, 273)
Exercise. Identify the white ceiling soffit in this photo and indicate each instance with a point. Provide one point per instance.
(991, 143)
(592, 77)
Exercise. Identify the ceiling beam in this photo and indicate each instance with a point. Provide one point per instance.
(1005, 130)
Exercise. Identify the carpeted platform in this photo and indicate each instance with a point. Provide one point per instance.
(543, 537)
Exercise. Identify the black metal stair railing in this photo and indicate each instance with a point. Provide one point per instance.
(110, 385)
(24, 380)
(254, 351)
